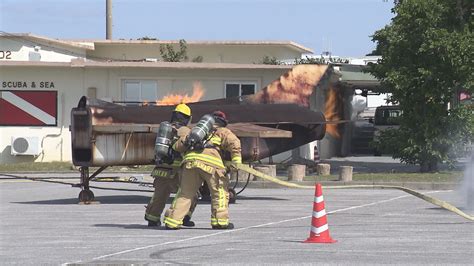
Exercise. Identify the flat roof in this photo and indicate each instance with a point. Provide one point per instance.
(90, 44)
(86, 46)
(354, 75)
(289, 44)
(118, 64)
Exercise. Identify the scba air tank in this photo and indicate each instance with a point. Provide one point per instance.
(201, 130)
(165, 135)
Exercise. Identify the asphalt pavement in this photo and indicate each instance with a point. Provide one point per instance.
(41, 223)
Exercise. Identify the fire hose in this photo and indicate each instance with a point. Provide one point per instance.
(103, 179)
(430, 199)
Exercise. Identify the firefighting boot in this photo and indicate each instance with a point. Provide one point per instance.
(223, 227)
(171, 228)
(152, 223)
(187, 221)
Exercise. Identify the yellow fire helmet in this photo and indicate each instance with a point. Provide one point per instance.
(183, 108)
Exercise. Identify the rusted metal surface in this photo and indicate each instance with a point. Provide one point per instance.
(117, 140)
(236, 113)
(123, 149)
(126, 128)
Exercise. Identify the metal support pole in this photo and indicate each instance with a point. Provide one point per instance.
(108, 21)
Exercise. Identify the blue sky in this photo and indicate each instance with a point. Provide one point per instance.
(342, 26)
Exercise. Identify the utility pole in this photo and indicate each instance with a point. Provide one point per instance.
(108, 20)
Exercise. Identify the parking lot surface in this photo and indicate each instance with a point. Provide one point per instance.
(43, 224)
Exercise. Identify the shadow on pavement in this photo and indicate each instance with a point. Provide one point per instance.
(126, 199)
(257, 198)
(130, 226)
(145, 226)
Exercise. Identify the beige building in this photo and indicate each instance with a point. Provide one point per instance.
(53, 74)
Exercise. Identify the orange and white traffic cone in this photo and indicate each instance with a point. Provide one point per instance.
(319, 226)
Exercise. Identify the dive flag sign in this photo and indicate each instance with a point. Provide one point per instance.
(28, 108)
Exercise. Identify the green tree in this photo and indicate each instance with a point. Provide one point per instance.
(146, 38)
(427, 58)
(169, 54)
(267, 60)
(321, 60)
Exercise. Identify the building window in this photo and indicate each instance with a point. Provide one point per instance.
(137, 91)
(235, 89)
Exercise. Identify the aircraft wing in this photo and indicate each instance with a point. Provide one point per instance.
(256, 131)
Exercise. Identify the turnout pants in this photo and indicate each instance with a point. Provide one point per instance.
(190, 183)
(164, 186)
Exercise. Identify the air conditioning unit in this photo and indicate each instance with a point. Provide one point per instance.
(25, 146)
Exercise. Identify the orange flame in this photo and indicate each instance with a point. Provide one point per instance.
(295, 86)
(331, 113)
(173, 99)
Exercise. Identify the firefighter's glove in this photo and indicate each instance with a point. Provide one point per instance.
(231, 166)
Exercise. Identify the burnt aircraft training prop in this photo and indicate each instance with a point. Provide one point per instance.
(278, 118)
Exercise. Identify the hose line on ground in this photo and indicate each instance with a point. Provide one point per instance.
(47, 180)
(430, 199)
(249, 170)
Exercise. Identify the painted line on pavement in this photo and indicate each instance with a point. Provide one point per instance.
(239, 229)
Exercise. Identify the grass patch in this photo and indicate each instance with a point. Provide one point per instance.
(40, 167)
(65, 167)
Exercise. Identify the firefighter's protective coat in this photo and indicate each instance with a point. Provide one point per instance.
(205, 165)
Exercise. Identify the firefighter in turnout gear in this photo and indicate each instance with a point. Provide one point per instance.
(202, 161)
(168, 170)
